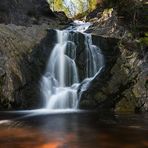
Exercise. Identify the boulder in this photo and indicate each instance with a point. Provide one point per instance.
(121, 86)
(20, 65)
(28, 12)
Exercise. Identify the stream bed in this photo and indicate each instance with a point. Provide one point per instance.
(80, 129)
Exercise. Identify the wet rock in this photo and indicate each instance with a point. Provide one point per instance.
(22, 60)
(71, 50)
(121, 84)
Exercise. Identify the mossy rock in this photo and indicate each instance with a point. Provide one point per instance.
(144, 40)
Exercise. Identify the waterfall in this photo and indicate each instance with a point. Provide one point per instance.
(73, 7)
(60, 83)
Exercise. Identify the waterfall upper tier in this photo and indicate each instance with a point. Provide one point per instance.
(62, 77)
(72, 7)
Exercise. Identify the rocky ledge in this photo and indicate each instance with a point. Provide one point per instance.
(123, 84)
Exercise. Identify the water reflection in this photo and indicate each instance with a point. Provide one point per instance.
(74, 131)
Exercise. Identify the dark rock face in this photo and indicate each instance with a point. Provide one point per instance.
(106, 23)
(24, 52)
(27, 12)
(121, 84)
(94, 95)
(20, 65)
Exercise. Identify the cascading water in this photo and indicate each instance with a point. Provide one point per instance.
(60, 83)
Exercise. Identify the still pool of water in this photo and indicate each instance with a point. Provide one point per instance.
(72, 130)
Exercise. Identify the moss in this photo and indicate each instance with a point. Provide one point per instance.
(146, 34)
(81, 15)
(77, 8)
(144, 41)
(108, 10)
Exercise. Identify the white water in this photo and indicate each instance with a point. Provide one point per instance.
(70, 7)
(59, 84)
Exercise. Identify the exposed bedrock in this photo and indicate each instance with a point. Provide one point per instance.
(122, 84)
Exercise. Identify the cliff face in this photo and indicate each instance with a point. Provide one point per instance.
(123, 85)
(24, 24)
(17, 65)
(28, 12)
(22, 12)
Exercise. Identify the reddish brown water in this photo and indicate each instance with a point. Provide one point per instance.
(78, 130)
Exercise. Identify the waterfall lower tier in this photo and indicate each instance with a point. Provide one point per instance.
(60, 83)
